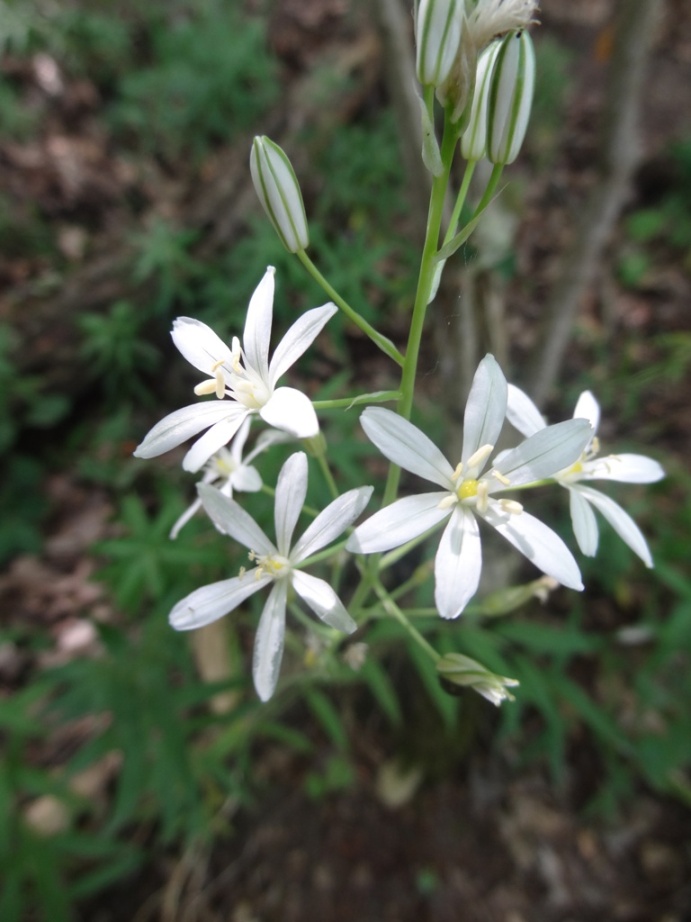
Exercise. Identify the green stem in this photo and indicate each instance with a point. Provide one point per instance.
(328, 476)
(348, 402)
(422, 296)
(460, 200)
(392, 609)
(382, 342)
(490, 189)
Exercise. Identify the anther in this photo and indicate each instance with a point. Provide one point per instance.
(502, 478)
(511, 506)
(480, 456)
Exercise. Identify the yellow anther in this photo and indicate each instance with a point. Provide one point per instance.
(480, 456)
(511, 506)
(502, 478)
(242, 572)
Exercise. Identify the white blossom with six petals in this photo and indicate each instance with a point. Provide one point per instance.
(229, 471)
(277, 564)
(626, 468)
(468, 493)
(245, 375)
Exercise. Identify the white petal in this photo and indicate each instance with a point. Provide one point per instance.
(625, 468)
(181, 425)
(211, 602)
(522, 413)
(231, 519)
(246, 479)
(458, 564)
(291, 411)
(323, 601)
(620, 521)
(217, 436)
(291, 490)
(584, 522)
(265, 440)
(240, 439)
(268, 644)
(546, 453)
(257, 335)
(588, 408)
(538, 543)
(184, 518)
(404, 444)
(398, 523)
(199, 344)
(299, 338)
(331, 522)
(485, 409)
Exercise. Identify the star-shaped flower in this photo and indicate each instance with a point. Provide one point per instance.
(626, 468)
(229, 471)
(277, 565)
(242, 373)
(468, 494)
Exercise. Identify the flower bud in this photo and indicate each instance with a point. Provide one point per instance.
(474, 138)
(438, 32)
(279, 192)
(457, 670)
(510, 97)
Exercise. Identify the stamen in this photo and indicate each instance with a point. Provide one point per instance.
(457, 472)
(220, 383)
(502, 478)
(206, 387)
(447, 502)
(482, 495)
(480, 456)
(511, 506)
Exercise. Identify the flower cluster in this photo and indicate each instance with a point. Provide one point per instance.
(476, 58)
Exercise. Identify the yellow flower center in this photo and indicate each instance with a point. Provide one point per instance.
(467, 489)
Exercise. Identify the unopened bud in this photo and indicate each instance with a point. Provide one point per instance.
(457, 670)
(438, 32)
(474, 139)
(279, 192)
(510, 97)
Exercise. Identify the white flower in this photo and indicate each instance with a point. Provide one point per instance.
(245, 375)
(233, 472)
(467, 493)
(627, 468)
(277, 564)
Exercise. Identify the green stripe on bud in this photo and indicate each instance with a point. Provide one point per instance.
(474, 138)
(510, 97)
(459, 671)
(438, 32)
(279, 192)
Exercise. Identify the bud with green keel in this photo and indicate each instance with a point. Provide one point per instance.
(438, 32)
(279, 192)
(510, 97)
(458, 671)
